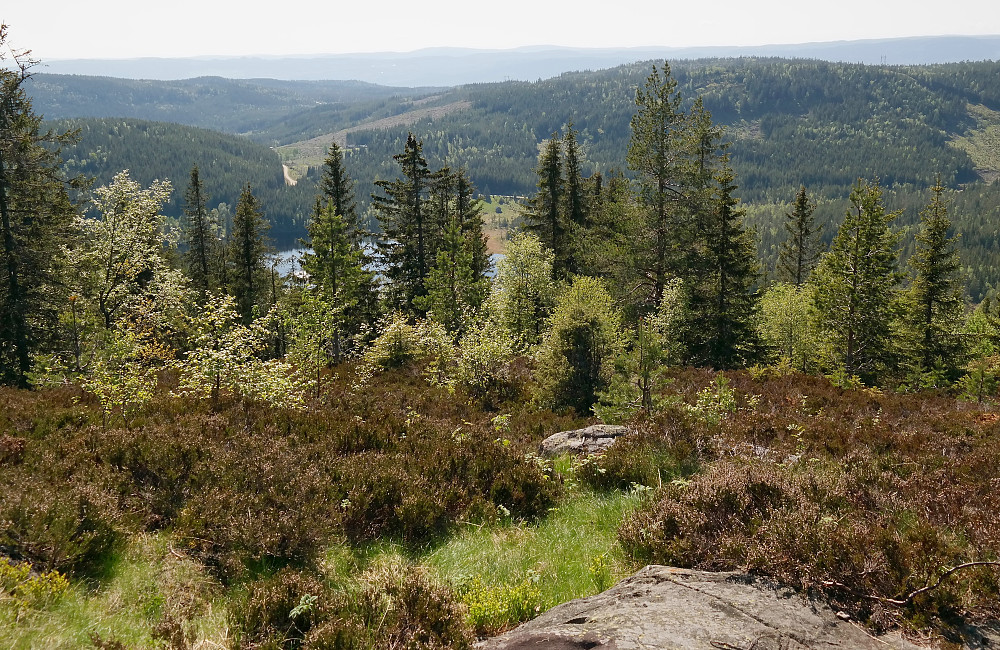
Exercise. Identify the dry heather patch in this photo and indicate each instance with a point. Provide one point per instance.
(866, 496)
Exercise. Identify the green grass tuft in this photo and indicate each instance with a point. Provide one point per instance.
(573, 552)
(146, 595)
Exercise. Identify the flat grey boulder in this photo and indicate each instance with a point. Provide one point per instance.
(589, 440)
(664, 608)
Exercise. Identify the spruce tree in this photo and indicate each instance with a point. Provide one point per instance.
(936, 298)
(574, 199)
(544, 217)
(199, 233)
(800, 252)
(454, 292)
(36, 220)
(248, 252)
(441, 205)
(723, 298)
(856, 284)
(469, 212)
(337, 187)
(612, 236)
(336, 269)
(408, 233)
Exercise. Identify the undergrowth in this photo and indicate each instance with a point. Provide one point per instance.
(864, 496)
(405, 516)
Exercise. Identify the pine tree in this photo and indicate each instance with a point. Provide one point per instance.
(856, 283)
(248, 251)
(408, 229)
(800, 252)
(936, 298)
(36, 220)
(544, 217)
(656, 155)
(337, 187)
(199, 233)
(701, 158)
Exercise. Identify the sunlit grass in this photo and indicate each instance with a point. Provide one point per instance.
(573, 552)
(142, 586)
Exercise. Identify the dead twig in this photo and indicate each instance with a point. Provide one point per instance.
(906, 600)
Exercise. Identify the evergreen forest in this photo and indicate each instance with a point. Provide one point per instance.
(777, 275)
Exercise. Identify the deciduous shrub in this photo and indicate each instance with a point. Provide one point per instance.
(26, 588)
(575, 359)
(493, 609)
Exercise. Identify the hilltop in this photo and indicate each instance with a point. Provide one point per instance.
(455, 66)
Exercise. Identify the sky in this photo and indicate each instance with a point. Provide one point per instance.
(70, 29)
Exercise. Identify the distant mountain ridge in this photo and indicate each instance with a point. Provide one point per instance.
(456, 66)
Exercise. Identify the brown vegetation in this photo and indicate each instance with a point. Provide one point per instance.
(864, 496)
(245, 488)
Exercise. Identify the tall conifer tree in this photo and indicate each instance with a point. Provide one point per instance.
(856, 284)
(199, 231)
(337, 187)
(723, 298)
(36, 220)
(937, 295)
(656, 155)
(248, 252)
(545, 215)
(469, 212)
(408, 229)
(800, 252)
(574, 200)
(336, 269)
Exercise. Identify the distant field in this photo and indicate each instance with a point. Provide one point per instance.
(501, 214)
(983, 142)
(300, 156)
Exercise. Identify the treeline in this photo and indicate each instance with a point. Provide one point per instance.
(790, 123)
(618, 275)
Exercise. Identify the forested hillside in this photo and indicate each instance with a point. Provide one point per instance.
(790, 122)
(159, 150)
(228, 105)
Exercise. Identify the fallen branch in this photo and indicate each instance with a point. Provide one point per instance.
(902, 602)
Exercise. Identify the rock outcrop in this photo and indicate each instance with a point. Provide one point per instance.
(590, 440)
(664, 608)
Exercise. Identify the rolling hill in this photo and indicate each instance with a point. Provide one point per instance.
(791, 122)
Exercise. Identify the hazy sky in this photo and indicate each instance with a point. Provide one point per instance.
(59, 29)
